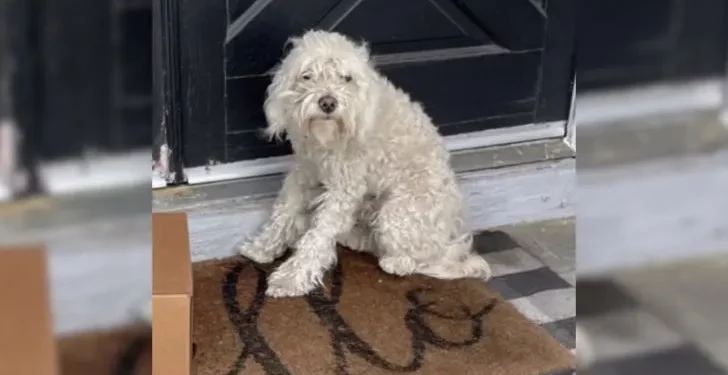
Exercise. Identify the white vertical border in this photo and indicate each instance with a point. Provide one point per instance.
(570, 138)
(158, 182)
(724, 106)
(10, 176)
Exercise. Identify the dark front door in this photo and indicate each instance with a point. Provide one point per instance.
(474, 64)
(75, 82)
(656, 41)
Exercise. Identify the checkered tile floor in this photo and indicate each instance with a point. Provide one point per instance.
(630, 340)
(627, 338)
(537, 291)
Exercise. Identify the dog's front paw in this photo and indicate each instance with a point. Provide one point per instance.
(283, 283)
(258, 253)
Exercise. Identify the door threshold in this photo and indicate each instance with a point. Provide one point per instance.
(661, 210)
(605, 107)
(268, 185)
(501, 185)
(90, 174)
(458, 142)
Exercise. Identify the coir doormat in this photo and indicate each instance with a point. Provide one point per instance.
(363, 322)
(121, 351)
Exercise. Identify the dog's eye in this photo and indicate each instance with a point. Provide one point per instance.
(306, 77)
(347, 78)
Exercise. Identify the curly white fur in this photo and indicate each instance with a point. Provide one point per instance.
(373, 174)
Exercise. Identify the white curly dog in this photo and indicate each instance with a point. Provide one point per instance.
(370, 171)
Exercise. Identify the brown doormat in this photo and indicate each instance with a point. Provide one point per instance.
(123, 351)
(363, 322)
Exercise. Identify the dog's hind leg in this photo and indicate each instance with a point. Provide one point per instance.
(398, 232)
(289, 220)
(360, 237)
(413, 235)
(466, 265)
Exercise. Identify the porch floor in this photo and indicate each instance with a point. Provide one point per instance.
(653, 245)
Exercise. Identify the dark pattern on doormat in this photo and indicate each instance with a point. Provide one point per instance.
(121, 351)
(343, 336)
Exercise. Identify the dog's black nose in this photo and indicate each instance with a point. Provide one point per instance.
(327, 103)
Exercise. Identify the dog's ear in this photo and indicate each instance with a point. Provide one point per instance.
(290, 44)
(274, 106)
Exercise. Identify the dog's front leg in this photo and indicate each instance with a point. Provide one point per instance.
(283, 227)
(315, 252)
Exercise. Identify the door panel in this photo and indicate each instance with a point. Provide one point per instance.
(474, 64)
(657, 40)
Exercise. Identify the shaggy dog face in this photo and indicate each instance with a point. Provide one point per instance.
(320, 90)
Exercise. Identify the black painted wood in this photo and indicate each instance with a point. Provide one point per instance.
(21, 84)
(201, 34)
(655, 41)
(474, 64)
(93, 75)
(132, 90)
(167, 127)
(558, 63)
(77, 77)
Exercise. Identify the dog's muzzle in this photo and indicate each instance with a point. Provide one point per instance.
(327, 104)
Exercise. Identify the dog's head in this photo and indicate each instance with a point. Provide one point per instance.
(321, 90)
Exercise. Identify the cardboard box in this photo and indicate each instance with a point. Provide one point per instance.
(27, 344)
(171, 295)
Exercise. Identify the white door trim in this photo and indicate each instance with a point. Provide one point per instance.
(570, 138)
(608, 106)
(92, 173)
(280, 164)
(96, 172)
(9, 174)
(131, 168)
(724, 110)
